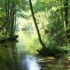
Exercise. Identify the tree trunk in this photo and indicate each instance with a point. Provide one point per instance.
(12, 19)
(65, 14)
(65, 19)
(34, 19)
(7, 14)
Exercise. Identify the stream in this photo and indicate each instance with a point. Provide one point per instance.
(22, 55)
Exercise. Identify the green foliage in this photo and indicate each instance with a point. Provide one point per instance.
(52, 20)
(2, 11)
(56, 28)
(8, 10)
(54, 14)
(22, 4)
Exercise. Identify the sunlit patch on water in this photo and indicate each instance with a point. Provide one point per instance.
(30, 63)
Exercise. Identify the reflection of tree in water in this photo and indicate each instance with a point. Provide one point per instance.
(7, 56)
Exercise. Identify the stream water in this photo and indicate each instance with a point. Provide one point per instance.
(30, 63)
(21, 55)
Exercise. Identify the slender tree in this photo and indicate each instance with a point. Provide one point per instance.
(65, 19)
(34, 19)
(65, 14)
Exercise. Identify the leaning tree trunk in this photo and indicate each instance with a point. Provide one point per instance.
(34, 19)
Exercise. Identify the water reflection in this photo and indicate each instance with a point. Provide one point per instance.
(30, 63)
(8, 56)
(19, 56)
(27, 42)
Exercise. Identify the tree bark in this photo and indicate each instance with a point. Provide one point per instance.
(34, 19)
